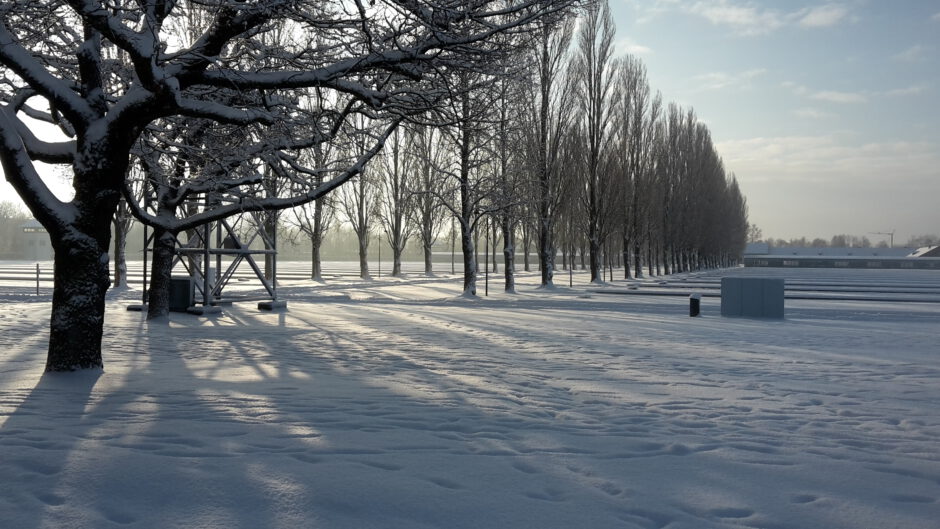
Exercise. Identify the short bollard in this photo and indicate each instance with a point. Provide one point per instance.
(695, 303)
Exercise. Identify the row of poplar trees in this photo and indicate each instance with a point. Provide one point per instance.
(564, 148)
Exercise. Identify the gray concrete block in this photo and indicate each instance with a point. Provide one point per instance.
(731, 296)
(753, 297)
(773, 294)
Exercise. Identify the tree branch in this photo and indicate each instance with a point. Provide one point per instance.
(57, 91)
(20, 172)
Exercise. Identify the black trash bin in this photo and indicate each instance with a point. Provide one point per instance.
(181, 293)
(695, 304)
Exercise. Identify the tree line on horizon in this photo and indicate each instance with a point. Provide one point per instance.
(842, 240)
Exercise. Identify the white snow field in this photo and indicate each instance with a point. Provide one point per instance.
(396, 403)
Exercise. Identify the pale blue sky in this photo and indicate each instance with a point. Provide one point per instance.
(827, 112)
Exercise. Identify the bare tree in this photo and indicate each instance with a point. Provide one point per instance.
(595, 70)
(550, 116)
(637, 115)
(357, 202)
(122, 222)
(469, 134)
(315, 219)
(394, 176)
(428, 213)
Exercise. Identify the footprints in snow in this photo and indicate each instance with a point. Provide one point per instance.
(803, 498)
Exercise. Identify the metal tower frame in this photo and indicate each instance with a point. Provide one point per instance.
(229, 237)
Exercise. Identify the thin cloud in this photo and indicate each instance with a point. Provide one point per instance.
(628, 46)
(746, 19)
(749, 19)
(796, 88)
(797, 157)
(912, 90)
(721, 80)
(936, 17)
(811, 113)
(833, 96)
(824, 16)
(646, 12)
(915, 53)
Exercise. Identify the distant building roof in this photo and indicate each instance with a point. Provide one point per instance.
(757, 248)
(802, 251)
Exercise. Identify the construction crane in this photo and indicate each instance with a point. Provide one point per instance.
(888, 233)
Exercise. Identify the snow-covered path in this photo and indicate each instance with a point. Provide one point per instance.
(398, 404)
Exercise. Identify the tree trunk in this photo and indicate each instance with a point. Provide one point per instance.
(316, 273)
(594, 233)
(364, 256)
(525, 249)
(396, 261)
(120, 256)
(626, 256)
(596, 264)
(637, 261)
(509, 255)
(158, 299)
(428, 260)
(78, 299)
(469, 259)
(546, 252)
(495, 241)
(316, 241)
(270, 236)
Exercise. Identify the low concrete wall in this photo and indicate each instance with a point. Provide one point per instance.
(752, 297)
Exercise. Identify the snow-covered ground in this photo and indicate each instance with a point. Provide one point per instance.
(399, 404)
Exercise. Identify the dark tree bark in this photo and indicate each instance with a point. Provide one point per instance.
(122, 223)
(364, 257)
(469, 259)
(158, 298)
(509, 254)
(80, 243)
(526, 244)
(120, 255)
(316, 242)
(78, 295)
(625, 253)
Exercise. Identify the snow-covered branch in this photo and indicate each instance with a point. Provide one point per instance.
(58, 91)
(222, 113)
(21, 174)
(245, 204)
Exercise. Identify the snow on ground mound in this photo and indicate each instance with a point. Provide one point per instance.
(364, 407)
